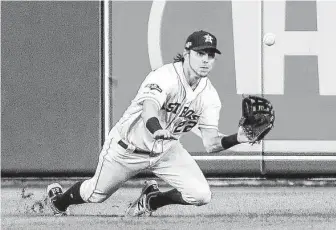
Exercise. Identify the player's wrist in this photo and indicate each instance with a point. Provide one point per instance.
(229, 141)
(153, 125)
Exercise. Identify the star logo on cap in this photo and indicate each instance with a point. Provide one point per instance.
(208, 38)
(188, 44)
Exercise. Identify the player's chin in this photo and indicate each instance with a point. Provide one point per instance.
(203, 73)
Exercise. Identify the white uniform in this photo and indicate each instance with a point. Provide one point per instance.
(181, 110)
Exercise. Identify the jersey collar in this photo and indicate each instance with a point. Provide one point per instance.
(191, 94)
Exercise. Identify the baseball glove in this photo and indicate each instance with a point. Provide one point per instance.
(257, 118)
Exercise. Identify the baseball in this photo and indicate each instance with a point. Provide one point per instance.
(269, 39)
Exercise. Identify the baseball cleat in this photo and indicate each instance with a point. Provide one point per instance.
(140, 207)
(53, 192)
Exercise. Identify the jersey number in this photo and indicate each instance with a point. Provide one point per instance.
(185, 126)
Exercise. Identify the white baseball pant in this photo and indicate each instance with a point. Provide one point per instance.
(175, 166)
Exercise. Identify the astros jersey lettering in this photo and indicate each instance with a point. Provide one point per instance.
(182, 108)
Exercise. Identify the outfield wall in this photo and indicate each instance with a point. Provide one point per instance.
(50, 86)
(51, 79)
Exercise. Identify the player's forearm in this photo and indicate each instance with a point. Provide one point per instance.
(221, 143)
(229, 141)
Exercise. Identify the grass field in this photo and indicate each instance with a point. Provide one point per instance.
(232, 207)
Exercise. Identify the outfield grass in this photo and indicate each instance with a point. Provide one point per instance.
(243, 207)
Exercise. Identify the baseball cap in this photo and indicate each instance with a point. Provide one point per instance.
(201, 40)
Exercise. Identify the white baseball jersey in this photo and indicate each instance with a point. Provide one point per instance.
(182, 108)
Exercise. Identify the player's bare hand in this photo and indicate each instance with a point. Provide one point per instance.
(163, 134)
(241, 136)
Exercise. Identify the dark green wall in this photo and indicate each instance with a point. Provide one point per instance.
(50, 86)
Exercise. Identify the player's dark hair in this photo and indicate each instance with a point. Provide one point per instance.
(179, 57)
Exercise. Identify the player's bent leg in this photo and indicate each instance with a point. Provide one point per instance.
(165, 198)
(200, 196)
(111, 173)
(181, 171)
(109, 176)
(90, 194)
(173, 196)
(59, 201)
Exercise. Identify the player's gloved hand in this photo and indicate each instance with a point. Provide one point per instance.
(163, 134)
(257, 119)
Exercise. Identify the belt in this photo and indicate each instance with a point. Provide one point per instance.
(137, 150)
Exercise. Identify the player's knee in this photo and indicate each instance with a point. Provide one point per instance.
(91, 195)
(97, 197)
(198, 197)
(202, 197)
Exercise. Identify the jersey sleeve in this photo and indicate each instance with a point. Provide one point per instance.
(155, 87)
(210, 116)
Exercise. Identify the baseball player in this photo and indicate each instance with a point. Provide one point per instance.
(172, 100)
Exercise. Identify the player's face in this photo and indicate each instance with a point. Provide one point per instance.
(201, 62)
